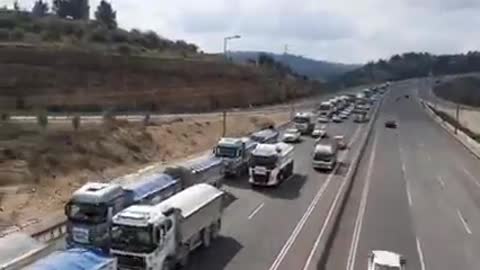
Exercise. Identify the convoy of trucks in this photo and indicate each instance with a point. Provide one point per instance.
(236, 154)
(271, 164)
(158, 237)
(155, 220)
(89, 211)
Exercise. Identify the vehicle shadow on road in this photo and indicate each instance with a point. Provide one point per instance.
(215, 257)
(289, 189)
(241, 182)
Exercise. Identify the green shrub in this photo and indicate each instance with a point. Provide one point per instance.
(42, 118)
(124, 49)
(119, 36)
(51, 35)
(76, 122)
(99, 35)
(5, 116)
(17, 34)
(7, 22)
(4, 35)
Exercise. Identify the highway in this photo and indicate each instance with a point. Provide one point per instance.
(276, 228)
(416, 193)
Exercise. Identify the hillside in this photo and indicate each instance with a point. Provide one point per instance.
(463, 90)
(314, 69)
(410, 65)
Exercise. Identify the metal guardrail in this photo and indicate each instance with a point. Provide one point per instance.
(51, 233)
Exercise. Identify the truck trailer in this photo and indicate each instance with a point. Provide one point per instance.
(75, 259)
(161, 236)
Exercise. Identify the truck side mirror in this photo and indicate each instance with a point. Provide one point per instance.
(214, 150)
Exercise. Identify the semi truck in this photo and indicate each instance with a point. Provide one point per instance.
(91, 208)
(236, 154)
(74, 259)
(304, 122)
(161, 236)
(271, 164)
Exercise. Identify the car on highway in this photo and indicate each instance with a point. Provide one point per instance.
(340, 140)
(344, 115)
(391, 124)
(336, 119)
(323, 119)
(291, 135)
(319, 132)
(386, 260)
(360, 118)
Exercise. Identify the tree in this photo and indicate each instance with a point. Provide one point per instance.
(16, 7)
(106, 15)
(75, 9)
(40, 9)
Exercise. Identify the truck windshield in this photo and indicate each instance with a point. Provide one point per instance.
(87, 213)
(301, 120)
(323, 156)
(226, 152)
(132, 239)
(267, 161)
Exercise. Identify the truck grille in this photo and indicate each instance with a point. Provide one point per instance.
(260, 178)
(130, 262)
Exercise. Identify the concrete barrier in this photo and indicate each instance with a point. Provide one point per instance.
(470, 144)
(341, 199)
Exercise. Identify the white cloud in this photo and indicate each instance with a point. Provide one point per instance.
(340, 30)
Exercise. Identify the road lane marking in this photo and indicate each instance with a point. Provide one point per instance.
(296, 231)
(409, 196)
(254, 212)
(441, 182)
(471, 177)
(420, 255)
(464, 222)
(325, 223)
(361, 211)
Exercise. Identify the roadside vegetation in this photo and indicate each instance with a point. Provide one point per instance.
(66, 23)
(410, 65)
(462, 90)
(452, 121)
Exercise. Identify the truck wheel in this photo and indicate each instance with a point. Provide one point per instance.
(206, 237)
(184, 260)
(215, 229)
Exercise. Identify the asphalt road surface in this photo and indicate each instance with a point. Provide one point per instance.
(416, 193)
(276, 228)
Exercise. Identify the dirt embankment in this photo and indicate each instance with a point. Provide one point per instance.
(39, 169)
(66, 80)
(463, 90)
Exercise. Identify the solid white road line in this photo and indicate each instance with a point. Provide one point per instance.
(420, 254)
(409, 196)
(471, 177)
(325, 223)
(256, 210)
(464, 223)
(361, 211)
(441, 182)
(296, 231)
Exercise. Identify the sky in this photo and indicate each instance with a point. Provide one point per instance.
(347, 31)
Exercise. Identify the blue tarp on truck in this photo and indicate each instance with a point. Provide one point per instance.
(75, 259)
(156, 187)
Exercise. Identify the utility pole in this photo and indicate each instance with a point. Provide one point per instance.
(457, 118)
(225, 45)
(292, 105)
(224, 133)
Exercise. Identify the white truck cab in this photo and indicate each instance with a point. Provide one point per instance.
(271, 164)
(158, 237)
(386, 260)
(325, 155)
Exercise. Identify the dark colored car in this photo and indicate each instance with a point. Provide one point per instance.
(391, 124)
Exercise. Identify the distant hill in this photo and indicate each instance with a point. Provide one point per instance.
(410, 65)
(314, 69)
